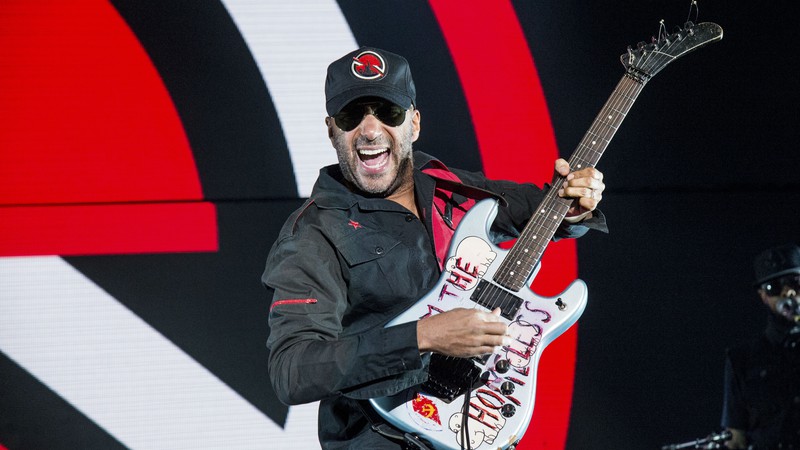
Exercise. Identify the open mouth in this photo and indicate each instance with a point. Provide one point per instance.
(373, 160)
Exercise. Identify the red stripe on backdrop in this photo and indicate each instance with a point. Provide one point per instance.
(108, 229)
(516, 140)
(84, 115)
(85, 119)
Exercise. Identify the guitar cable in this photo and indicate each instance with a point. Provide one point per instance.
(465, 419)
(410, 441)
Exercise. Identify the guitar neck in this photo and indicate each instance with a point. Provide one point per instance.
(518, 265)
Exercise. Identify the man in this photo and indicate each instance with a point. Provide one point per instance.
(762, 378)
(370, 241)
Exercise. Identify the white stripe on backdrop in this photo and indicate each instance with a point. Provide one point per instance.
(123, 374)
(293, 43)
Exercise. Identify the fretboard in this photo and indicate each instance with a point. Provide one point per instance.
(521, 260)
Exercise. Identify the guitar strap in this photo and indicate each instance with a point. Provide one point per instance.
(450, 192)
(384, 429)
(465, 189)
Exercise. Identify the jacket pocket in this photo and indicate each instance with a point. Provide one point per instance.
(359, 248)
(375, 267)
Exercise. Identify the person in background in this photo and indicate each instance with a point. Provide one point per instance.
(761, 405)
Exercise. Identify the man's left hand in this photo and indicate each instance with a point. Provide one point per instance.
(584, 185)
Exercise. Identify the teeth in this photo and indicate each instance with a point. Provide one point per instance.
(371, 152)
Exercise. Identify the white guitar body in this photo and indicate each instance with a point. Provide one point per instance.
(498, 413)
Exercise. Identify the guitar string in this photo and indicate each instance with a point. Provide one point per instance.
(542, 219)
(599, 130)
(620, 102)
(625, 95)
(623, 98)
(629, 88)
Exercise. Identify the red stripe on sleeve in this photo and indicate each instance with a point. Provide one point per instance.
(294, 301)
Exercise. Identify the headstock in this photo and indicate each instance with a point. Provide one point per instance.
(646, 60)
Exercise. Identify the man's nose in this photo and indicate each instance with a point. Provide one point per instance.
(370, 126)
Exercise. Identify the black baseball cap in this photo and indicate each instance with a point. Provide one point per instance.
(369, 72)
(777, 262)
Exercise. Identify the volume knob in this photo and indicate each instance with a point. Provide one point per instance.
(508, 410)
(502, 366)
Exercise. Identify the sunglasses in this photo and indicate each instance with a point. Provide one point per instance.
(775, 287)
(351, 115)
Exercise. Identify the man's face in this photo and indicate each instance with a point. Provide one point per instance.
(375, 156)
(775, 292)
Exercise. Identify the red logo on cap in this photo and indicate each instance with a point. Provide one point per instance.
(368, 65)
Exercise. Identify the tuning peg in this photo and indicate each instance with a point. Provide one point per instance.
(640, 46)
(630, 56)
(689, 27)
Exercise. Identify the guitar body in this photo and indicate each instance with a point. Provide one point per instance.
(501, 400)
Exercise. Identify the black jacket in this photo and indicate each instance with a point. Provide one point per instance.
(344, 265)
(762, 388)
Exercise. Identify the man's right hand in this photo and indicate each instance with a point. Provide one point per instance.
(462, 332)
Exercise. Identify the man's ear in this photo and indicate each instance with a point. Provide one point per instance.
(415, 119)
(329, 124)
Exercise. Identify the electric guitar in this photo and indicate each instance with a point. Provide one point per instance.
(487, 402)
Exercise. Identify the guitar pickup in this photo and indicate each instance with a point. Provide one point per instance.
(491, 296)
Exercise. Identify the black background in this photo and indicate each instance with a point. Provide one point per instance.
(701, 177)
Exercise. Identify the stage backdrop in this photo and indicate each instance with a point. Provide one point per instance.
(150, 151)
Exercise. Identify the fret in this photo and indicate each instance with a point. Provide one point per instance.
(619, 111)
(609, 125)
(591, 158)
(618, 93)
(616, 118)
(597, 136)
(580, 163)
(592, 147)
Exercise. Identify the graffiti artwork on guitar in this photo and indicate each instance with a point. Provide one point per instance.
(469, 402)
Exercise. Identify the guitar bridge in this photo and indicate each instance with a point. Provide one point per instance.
(449, 377)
